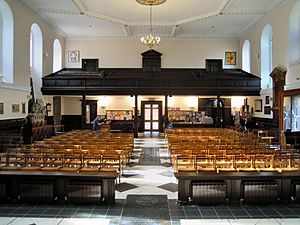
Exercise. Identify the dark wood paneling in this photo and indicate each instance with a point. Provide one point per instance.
(71, 122)
(121, 81)
(11, 125)
(263, 123)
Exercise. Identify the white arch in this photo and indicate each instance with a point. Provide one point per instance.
(36, 50)
(246, 56)
(6, 43)
(57, 56)
(294, 35)
(266, 49)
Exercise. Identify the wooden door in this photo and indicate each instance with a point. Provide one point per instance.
(151, 116)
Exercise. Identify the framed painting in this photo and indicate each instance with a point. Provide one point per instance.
(1, 108)
(258, 105)
(15, 108)
(267, 100)
(73, 56)
(230, 58)
(23, 107)
(267, 109)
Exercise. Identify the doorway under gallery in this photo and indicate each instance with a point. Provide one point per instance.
(151, 112)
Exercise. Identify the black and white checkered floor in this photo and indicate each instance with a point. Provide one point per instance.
(147, 194)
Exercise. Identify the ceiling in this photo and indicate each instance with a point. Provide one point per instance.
(123, 19)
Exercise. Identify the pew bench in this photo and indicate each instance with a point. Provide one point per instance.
(210, 187)
(53, 186)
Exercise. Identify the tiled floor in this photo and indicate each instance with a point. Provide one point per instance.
(147, 195)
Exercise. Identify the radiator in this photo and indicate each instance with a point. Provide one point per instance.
(84, 191)
(260, 191)
(208, 192)
(36, 191)
(3, 191)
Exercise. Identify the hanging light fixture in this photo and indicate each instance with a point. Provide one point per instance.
(150, 40)
(151, 2)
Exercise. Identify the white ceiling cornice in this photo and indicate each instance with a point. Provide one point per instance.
(189, 37)
(55, 28)
(84, 11)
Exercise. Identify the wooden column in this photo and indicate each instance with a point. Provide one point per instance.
(136, 135)
(57, 110)
(278, 75)
(165, 121)
(83, 112)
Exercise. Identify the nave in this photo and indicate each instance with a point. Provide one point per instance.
(147, 194)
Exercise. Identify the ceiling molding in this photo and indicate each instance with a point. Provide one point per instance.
(225, 5)
(205, 16)
(175, 30)
(84, 11)
(55, 28)
(79, 5)
(61, 12)
(127, 30)
(181, 37)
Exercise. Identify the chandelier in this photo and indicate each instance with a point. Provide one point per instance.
(151, 2)
(150, 40)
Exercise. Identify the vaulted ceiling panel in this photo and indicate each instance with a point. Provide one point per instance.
(86, 26)
(54, 6)
(217, 26)
(174, 18)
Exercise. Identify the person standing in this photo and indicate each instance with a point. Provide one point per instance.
(27, 131)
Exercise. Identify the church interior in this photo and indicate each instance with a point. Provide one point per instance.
(149, 112)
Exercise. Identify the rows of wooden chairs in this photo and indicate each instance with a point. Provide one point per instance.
(236, 163)
(77, 151)
(225, 149)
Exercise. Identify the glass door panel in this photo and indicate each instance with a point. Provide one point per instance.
(147, 126)
(155, 125)
(155, 115)
(147, 114)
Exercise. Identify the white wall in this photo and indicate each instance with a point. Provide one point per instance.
(127, 53)
(9, 96)
(23, 19)
(279, 20)
(70, 105)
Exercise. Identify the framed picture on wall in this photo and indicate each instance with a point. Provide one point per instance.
(15, 108)
(1, 108)
(73, 56)
(230, 58)
(258, 105)
(267, 100)
(23, 107)
(267, 109)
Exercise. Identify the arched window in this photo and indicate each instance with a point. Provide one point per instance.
(36, 58)
(266, 57)
(57, 56)
(6, 43)
(246, 57)
(294, 35)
